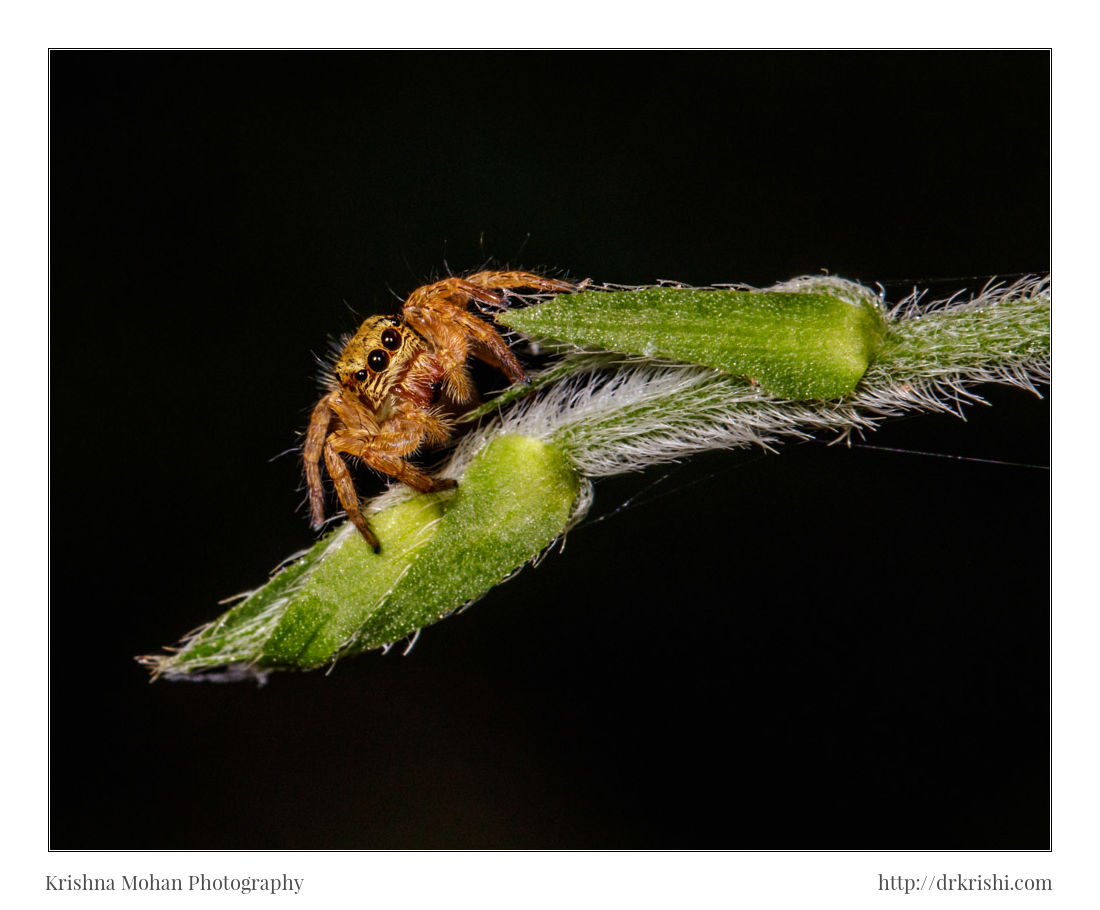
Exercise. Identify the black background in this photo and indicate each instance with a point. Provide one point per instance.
(825, 648)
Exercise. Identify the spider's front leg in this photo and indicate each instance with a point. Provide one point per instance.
(336, 409)
(385, 451)
(439, 312)
(512, 280)
(319, 422)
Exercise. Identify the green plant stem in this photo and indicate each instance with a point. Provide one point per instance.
(523, 477)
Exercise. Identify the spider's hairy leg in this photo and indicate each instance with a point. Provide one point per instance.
(345, 490)
(319, 422)
(398, 437)
(451, 340)
(509, 280)
(479, 288)
(501, 357)
(385, 451)
(438, 312)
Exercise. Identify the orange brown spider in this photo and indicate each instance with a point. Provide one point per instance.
(398, 380)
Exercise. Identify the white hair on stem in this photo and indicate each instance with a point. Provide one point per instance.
(645, 412)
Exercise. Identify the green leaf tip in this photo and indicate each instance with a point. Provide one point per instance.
(440, 551)
(806, 343)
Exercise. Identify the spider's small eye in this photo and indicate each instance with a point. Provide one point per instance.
(361, 375)
(378, 360)
(391, 339)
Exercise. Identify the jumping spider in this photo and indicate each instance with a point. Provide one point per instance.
(397, 381)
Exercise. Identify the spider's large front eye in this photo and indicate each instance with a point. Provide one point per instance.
(391, 339)
(378, 360)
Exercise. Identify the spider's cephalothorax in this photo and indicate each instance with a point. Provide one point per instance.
(399, 377)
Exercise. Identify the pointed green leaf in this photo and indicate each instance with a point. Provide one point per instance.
(440, 551)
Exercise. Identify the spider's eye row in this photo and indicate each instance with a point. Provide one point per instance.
(391, 339)
(361, 375)
(378, 360)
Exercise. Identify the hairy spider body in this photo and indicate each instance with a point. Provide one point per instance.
(400, 379)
